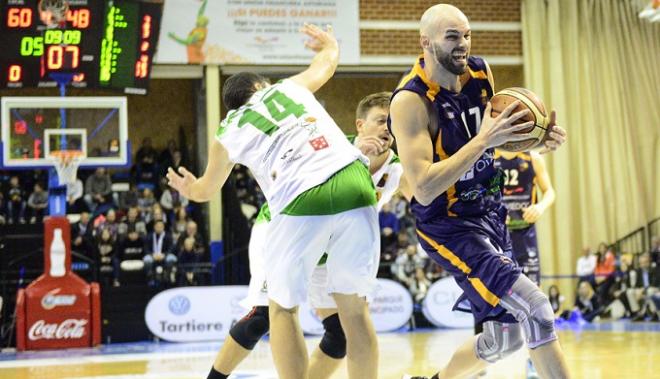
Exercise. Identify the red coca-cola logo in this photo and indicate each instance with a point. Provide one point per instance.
(67, 329)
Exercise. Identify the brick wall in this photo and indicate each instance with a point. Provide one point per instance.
(411, 10)
(406, 42)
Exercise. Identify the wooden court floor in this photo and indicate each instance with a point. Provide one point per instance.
(590, 354)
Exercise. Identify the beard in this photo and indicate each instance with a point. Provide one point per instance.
(446, 60)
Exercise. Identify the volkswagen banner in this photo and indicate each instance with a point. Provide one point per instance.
(438, 304)
(195, 313)
(390, 309)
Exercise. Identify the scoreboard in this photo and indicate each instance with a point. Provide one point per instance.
(99, 43)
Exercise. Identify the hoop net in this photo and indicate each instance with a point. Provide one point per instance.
(66, 163)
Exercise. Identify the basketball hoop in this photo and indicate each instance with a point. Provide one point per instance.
(66, 163)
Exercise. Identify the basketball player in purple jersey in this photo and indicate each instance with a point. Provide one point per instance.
(446, 148)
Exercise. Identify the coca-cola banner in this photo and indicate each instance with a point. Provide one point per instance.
(390, 309)
(68, 329)
(195, 313)
(438, 304)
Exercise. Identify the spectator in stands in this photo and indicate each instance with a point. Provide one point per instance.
(37, 204)
(170, 200)
(129, 199)
(81, 235)
(166, 157)
(159, 261)
(399, 206)
(133, 221)
(156, 215)
(624, 282)
(15, 202)
(191, 232)
(74, 197)
(145, 202)
(605, 273)
(408, 268)
(655, 251)
(147, 173)
(106, 258)
(113, 148)
(98, 190)
(647, 282)
(131, 251)
(179, 223)
(145, 150)
(556, 299)
(587, 302)
(433, 272)
(586, 265)
(188, 255)
(108, 222)
(389, 229)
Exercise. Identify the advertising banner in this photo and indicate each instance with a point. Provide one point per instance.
(390, 309)
(190, 314)
(253, 31)
(438, 304)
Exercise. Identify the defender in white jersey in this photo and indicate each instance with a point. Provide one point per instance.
(321, 200)
(374, 140)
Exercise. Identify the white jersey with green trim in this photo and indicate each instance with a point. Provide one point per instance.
(386, 179)
(288, 141)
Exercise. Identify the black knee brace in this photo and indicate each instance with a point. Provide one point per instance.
(333, 343)
(249, 330)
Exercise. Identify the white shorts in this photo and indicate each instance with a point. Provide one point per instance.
(257, 290)
(296, 243)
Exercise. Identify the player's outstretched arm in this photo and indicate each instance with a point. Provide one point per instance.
(325, 61)
(532, 213)
(204, 188)
(427, 180)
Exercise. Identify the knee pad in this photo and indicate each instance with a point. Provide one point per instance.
(533, 311)
(498, 341)
(249, 330)
(333, 343)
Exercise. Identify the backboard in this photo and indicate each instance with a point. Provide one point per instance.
(33, 127)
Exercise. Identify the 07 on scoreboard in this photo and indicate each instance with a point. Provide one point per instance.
(101, 44)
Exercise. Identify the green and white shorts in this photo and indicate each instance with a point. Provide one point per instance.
(338, 217)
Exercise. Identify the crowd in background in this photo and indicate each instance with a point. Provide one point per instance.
(145, 227)
(614, 284)
(146, 231)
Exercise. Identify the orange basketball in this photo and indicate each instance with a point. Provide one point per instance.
(538, 114)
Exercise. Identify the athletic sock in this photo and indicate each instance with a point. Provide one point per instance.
(216, 374)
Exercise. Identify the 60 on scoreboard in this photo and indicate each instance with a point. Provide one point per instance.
(102, 44)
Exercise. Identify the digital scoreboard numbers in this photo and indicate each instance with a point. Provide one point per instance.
(128, 44)
(102, 44)
(32, 50)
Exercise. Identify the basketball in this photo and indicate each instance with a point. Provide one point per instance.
(538, 114)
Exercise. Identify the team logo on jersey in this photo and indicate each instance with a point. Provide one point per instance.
(523, 166)
(319, 143)
(484, 97)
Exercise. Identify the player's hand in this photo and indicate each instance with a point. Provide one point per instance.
(496, 131)
(371, 145)
(182, 182)
(532, 213)
(319, 39)
(556, 137)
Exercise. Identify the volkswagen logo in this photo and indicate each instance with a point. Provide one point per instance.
(179, 305)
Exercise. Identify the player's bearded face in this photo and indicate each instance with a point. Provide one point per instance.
(454, 60)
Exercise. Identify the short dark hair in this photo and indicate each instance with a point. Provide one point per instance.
(238, 89)
(378, 99)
